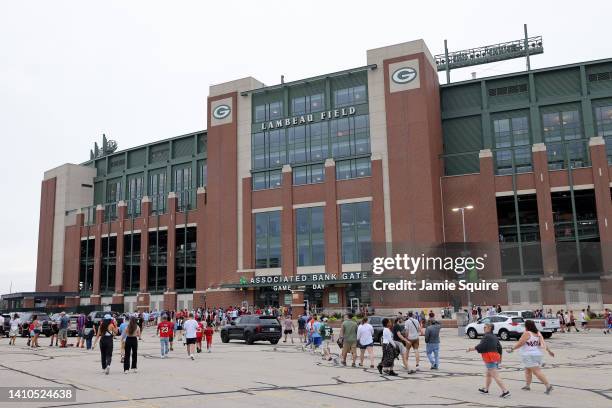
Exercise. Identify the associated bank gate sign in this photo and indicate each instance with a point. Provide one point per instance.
(316, 280)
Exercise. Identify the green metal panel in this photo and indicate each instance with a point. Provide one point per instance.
(310, 88)
(349, 80)
(507, 91)
(461, 164)
(101, 167)
(461, 98)
(182, 147)
(137, 158)
(560, 108)
(159, 153)
(552, 84)
(202, 143)
(462, 135)
(116, 163)
(599, 77)
(99, 193)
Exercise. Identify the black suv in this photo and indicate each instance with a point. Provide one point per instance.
(26, 319)
(252, 328)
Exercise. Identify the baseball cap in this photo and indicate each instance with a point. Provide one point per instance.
(107, 316)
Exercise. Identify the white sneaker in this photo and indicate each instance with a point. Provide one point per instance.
(192, 357)
(209, 350)
(107, 370)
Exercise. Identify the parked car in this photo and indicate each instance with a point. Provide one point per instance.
(376, 322)
(547, 326)
(98, 316)
(505, 327)
(252, 328)
(26, 319)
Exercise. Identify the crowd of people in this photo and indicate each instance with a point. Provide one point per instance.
(356, 336)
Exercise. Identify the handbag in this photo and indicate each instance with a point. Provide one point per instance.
(340, 341)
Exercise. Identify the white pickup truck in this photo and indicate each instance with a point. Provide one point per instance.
(547, 326)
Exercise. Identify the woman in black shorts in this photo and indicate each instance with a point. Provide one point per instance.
(288, 328)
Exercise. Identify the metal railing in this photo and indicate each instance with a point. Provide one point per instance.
(564, 230)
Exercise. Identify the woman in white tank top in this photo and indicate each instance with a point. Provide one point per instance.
(532, 346)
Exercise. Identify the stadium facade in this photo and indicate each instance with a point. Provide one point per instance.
(280, 199)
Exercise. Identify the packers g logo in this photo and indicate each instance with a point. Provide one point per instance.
(404, 75)
(221, 112)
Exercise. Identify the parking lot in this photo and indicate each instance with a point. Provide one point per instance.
(259, 375)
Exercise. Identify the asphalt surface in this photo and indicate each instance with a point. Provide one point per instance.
(263, 375)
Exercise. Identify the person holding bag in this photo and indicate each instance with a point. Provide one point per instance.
(106, 332)
(390, 349)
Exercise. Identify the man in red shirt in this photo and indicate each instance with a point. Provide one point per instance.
(199, 334)
(165, 330)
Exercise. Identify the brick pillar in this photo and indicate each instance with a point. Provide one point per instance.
(552, 285)
(170, 300)
(71, 302)
(332, 251)
(378, 204)
(200, 237)
(199, 294)
(601, 180)
(247, 225)
(288, 246)
(122, 213)
(481, 226)
(171, 270)
(28, 303)
(143, 298)
(297, 303)
(118, 298)
(95, 296)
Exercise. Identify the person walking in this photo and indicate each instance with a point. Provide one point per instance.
(36, 329)
(302, 327)
(122, 334)
(288, 328)
(81, 330)
(327, 332)
(400, 341)
(164, 331)
(607, 321)
(317, 339)
(54, 330)
(365, 341)
(132, 334)
(64, 321)
(412, 329)
(178, 326)
(208, 334)
(584, 320)
(531, 344)
(190, 326)
(14, 329)
(490, 350)
(572, 322)
(390, 349)
(106, 332)
(432, 341)
(88, 332)
(348, 333)
(199, 334)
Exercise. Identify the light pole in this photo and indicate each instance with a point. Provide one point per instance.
(462, 209)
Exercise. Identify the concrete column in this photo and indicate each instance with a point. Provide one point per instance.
(287, 221)
(171, 265)
(378, 208)
(333, 257)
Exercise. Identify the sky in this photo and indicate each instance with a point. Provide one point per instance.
(139, 71)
